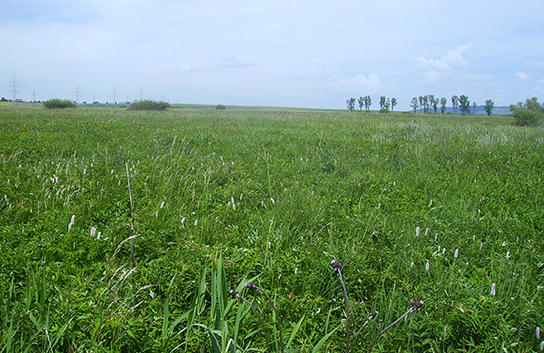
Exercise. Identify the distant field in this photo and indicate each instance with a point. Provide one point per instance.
(416, 207)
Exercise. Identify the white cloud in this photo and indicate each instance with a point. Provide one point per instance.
(439, 69)
(220, 65)
(314, 69)
(359, 84)
(541, 81)
(522, 76)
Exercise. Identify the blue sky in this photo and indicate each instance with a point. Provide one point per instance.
(274, 53)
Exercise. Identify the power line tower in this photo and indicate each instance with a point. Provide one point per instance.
(114, 93)
(14, 85)
(77, 91)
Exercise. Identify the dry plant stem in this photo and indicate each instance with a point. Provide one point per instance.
(260, 319)
(411, 310)
(277, 316)
(131, 219)
(346, 299)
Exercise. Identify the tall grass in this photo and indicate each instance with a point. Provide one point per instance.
(280, 195)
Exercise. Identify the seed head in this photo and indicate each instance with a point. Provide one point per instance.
(336, 265)
(416, 304)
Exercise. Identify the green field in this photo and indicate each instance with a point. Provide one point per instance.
(415, 207)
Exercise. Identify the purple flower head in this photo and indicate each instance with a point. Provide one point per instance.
(416, 305)
(373, 314)
(336, 265)
(233, 293)
(251, 286)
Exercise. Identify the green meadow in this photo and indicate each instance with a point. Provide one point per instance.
(124, 231)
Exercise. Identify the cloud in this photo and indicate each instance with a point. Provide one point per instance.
(230, 62)
(314, 69)
(541, 81)
(359, 84)
(440, 69)
(522, 76)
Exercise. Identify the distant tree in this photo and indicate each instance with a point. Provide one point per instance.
(59, 104)
(414, 104)
(388, 104)
(464, 104)
(443, 102)
(148, 104)
(351, 104)
(433, 102)
(421, 103)
(455, 103)
(489, 107)
(530, 113)
(474, 106)
(220, 107)
(368, 102)
(361, 102)
(3, 99)
(393, 103)
(430, 102)
(382, 102)
(426, 103)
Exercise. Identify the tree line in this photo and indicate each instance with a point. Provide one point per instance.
(428, 103)
(366, 102)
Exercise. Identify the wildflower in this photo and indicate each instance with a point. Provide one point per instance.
(492, 293)
(251, 286)
(542, 346)
(162, 204)
(373, 314)
(233, 293)
(456, 254)
(417, 231)
(538, 333)
(427, 266)
(336, 265)
(93, 231)
(416, 305)
(196, 222)
(272, 200)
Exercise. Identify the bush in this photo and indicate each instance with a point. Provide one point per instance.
(527, 117)
(530, 113)
(384, 110)
(59, 104)
(220, 107)
(149, 105)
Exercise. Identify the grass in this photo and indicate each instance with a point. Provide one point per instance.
(222, 198)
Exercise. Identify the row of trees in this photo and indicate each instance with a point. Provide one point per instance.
(462, 103)
(366, 102)
(426, 103)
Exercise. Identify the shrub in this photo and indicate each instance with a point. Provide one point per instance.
(149, 105)
(530, 113)
(220, 107)
(527, 117)
(384, 110)
(59, 104)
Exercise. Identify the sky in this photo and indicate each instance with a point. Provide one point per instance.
(290, 53)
